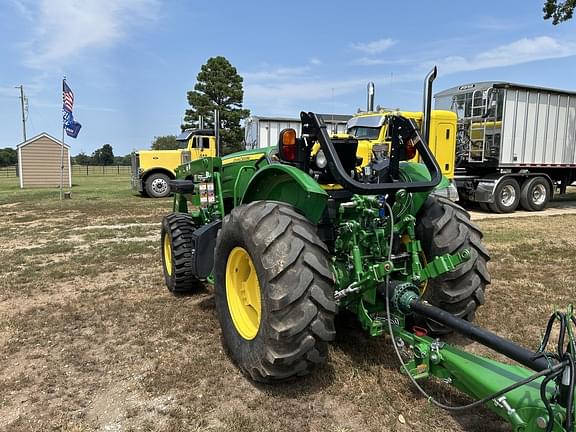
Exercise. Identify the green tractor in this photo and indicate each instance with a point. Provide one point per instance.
(293, 234)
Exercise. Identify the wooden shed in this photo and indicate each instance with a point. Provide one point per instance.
(39, 162)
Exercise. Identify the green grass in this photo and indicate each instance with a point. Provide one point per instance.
(87, 328)
(101, 193)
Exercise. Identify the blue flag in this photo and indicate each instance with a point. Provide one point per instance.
(71, 127)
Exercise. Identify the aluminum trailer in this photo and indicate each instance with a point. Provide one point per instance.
(261, 131)
(516, 144)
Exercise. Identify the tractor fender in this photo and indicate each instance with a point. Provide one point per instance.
(287, 184)
(417, 172)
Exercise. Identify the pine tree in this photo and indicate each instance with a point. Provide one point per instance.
(559, 12)
(218, 86)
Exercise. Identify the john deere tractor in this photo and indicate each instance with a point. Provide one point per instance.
(291, 235)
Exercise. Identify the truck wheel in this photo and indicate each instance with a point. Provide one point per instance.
(445, 227)
(506, 196)
(535, 194)
(485, 207)
(273, 289)
(157, 185)
(177, 253)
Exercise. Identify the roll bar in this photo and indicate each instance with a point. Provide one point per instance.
(401, 129)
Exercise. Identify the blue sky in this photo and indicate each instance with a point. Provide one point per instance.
(131, 62)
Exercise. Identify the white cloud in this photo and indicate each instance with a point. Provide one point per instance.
(374, 47)
(288, 97)
(367, 61)
(66, 28)
(24, 8)
(276, 73)
(521, 51)
(269, 72)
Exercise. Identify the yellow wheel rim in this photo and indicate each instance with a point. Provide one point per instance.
(243, 293)
(167, 254)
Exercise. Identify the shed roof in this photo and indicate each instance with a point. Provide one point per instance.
(343, 118)
(42, 135)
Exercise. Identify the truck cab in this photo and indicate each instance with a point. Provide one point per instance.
(152, 169)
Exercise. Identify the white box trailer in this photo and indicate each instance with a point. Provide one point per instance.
(515, 143)
(261, 131)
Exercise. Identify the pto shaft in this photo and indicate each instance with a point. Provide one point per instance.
(532, 360)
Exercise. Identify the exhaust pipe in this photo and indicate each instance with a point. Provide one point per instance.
(370, 103)
(427, 108)
(217, 131)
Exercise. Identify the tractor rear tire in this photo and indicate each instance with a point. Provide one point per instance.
(177, 253)
(445, 227)
(271, 267)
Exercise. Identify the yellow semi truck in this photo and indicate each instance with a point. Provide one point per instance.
(369, 129)
(153, 169)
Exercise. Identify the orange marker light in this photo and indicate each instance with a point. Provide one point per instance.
(288, 137)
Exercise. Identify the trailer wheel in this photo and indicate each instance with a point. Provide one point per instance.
(535, 194)
(445, 227)
(177, 253)
(506, 196)
(273, 290)
(157, 185)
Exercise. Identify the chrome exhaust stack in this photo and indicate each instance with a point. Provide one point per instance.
(427, 104)
(370, 103)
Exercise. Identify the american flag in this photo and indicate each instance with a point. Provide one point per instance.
(67, 97)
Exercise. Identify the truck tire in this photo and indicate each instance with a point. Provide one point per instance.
(535, 194)
(445, 227)
(484, 207)
(506, 196)
(157, 185)
(177, 253)
(274, 291)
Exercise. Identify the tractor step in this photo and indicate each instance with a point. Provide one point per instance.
(182, 186)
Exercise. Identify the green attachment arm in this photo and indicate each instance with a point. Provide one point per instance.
(444, 264)
(481, 377)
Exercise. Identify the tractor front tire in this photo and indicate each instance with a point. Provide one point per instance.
(177, 253)
(274, 291)
(445, 227)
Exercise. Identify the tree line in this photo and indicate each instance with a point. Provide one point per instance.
(102, 156)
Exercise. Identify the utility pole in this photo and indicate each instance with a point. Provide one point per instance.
(22, 99)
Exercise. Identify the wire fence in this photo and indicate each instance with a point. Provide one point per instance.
(101, 170)
(8, 171)
(79, 170)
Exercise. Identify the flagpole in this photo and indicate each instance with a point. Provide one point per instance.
(62, 149)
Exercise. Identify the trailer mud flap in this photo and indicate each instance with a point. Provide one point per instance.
(203, 244)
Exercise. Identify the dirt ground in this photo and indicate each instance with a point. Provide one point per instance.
(91, 340)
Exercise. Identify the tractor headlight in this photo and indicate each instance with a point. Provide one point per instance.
(321, 160)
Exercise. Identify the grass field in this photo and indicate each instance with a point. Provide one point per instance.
(90, 339)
